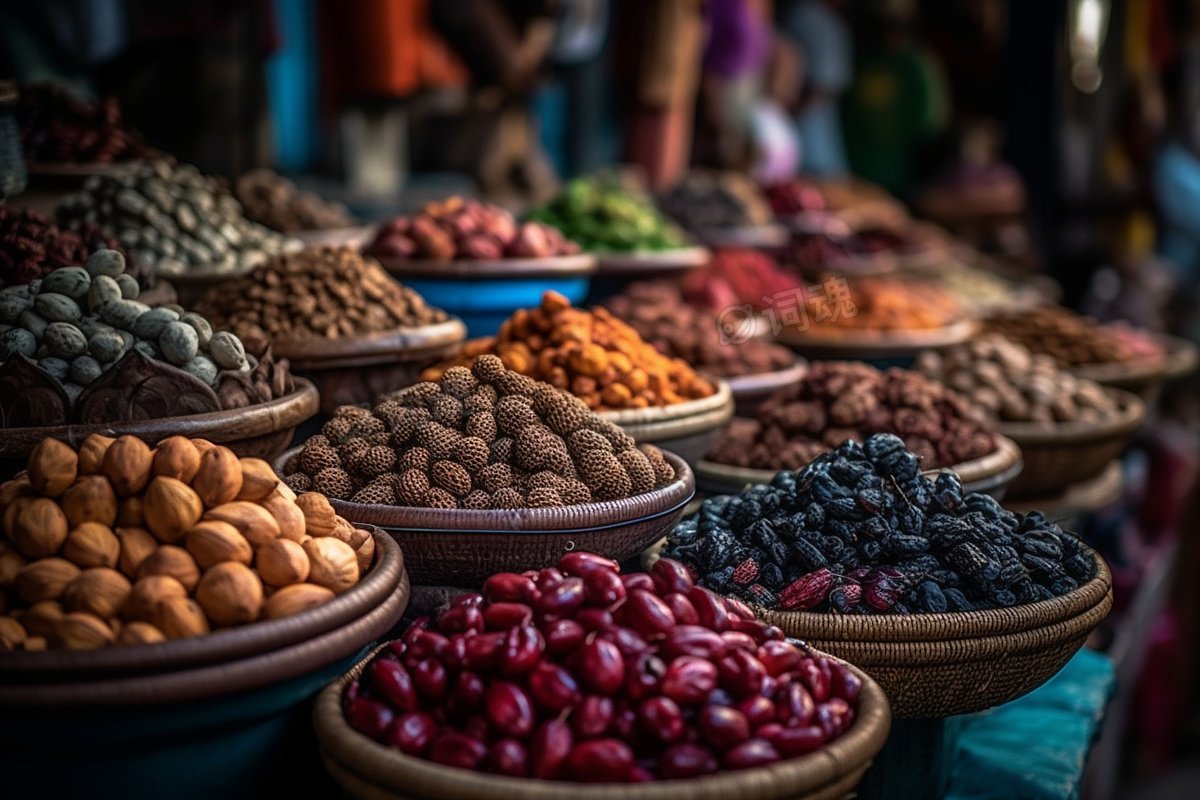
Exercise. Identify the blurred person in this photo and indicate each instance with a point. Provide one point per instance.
(897, 101)
(657, 48)
(734, 65)
(823, 37)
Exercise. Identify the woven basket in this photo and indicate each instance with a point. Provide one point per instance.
(989, 474)
(261, 431)
(385, 578)
(687, 429)
(939, 665)
(749, 391)
(396, 358)
(367, 770)
(853, 344)
(1066, 453)
(1069, 505)
(463, 547)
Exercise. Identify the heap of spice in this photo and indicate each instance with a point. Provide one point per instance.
(118, 543)
(479, 438)
(458, 228)
(58, 127)
(32, 245)
(173, 217)
(1010, 384)
(707, 199)
(272, 200)
(657, 311)
(316, 293)
(79, 322)
(606, 214)
(1069, 338)
(881, 304)
(737, 276)
(591, 354)
(861, 531)
(836, 401)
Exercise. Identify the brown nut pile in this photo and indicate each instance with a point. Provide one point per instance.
(592, 354)
(837, 401)
(317, 293)
(457, 228)
(657, 311)
(883, 304)
(1010, 384)
(1069, 338)
(479, 438)
(272, 200)
(119, 544)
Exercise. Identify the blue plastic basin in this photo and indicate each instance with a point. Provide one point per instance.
(484, 304)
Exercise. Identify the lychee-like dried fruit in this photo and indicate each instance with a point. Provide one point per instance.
(535, 444)
(481, 425)
(507, 498)
(543, 498)
(515, 413)
(411, 487)
(448, 411)
(440, 498)
(639, 469)
(391, 413)
(351, 412)
(515, 384)
(458, 382)
(482, 399)
(351, 448)
(417, 395)
(452, 477)
(366, 425)
(333, 482)
(619, 439)
(604, 475)
(574, 492)
(408, 423)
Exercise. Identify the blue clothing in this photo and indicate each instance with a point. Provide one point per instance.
(825, 39)
(1177, 191)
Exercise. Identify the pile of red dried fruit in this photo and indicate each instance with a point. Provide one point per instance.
(32, 246)
(457, 228)
(795, 196)
(735, 277)
(579, 673)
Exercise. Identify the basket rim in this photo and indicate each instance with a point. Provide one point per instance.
(765, 383)
(850, 342)
(490, 268)
(723, 396)
(363, 756)
(768, 235)
(228, 678)
(400, 344)
(257, 420)
(671, 430)
(1131, 412)
(243, 641)
(341, 236)
(1005, 458)
(563, 519)
(633, 261)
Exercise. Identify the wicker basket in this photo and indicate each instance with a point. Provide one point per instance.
(1066, 453)
(385, 579)
(750, 391)
(939, 665)
(463, 547)
(396, 360)
(367, 770)
(989, 474)
(261, 431)
(687, 429)
(853, 344)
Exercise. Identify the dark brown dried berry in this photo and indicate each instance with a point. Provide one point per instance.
(458, 382)
(411, 487)
(298, 482)
(439, 498)
(639, 469)
(478, 500)
(507, 498)
(604, 475)
(481, 425)
(333, 482)
(452, 477)
(472, 452)
(543, 497)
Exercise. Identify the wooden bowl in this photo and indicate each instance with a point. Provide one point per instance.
(463, 547)
(262, 430)
(989, 474)
(749, 391)
(385, 578)
(688, 429)
(1061, 454)
(395, 360)
(852, 344)
(940, 665)
(367, 770)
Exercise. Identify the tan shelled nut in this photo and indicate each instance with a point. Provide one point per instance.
(100, 590)
(139, 632)
(287, 514)
(147, 593)
(171, 508)
(10, 564)
(282, 562)
(296, 598)
(258, 480)
(130, 513)
(12, 634)
(252, 520)
(332, 563)
(319, 517)
(78, 630)
(219, 478)
(90, 499)
(174, 562)
(91, 453)
(230, 594)
(52, 467)
(176, 457)
(136, 546)
(180, 618)
(45, 579)
(213, 541)
(127, 465)
(40, 529)
(91, 544)
(39, 619)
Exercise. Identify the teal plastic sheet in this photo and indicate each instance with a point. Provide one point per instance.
(1034, 748)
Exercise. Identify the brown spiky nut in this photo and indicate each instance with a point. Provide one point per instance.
(337, 430)
(413, 458)
(664, 473)
(619, 439)
(298, 482)
(488, 368)
(538, 447)
(316, 457)
(447, 411)
(500, 451)
(481, 425)
(574, 492)
(507, 498)
(52, 467)
(439, 440)
(495, 477)
(452, 477)
(411, 487)
(514, 413)
(564, 414)
(477, 500)
(638, 468)
(543, 497)
(417, 395)
(390, 412)
(374, 461)
(458, 382)
(482, 399)
(440, 498)
(379, 492)
(333, 482)
(352, 448)
(515, 384)
(604, 475)
(472, 453)
(407, 425)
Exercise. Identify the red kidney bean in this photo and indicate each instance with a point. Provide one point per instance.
(719, 697)
(509, 587)
(815, 678)
(467, 599)
(456, 651)
(458, 619)
(779, 657)
(502, 616)
(426, 644)
(562, 599)
(549, 748)
(750, 753)
(602, 587)
(509, 709)
(739, 609)
(844, 683)
(579, 563)
(624, 724)
(522, 650)
(457, 750)
(709, 608)
(640, 774)
(736, 640)
(741, 673)
(592, 716)
(688, 680)
(547, 579)
(394, 683)
(416, 626)
(353, 690)
(508, 757)
(768, 731)
(834, 717)
(594, 619)
(563, 636)
(466, 695)
(661, 718)
(798, 741)
(627, 641)
(686, 761)
(646, 613)
(552, 687)
(600, 666)
(722, 727)
(369, 717)
(794, 704)
(751, 627)
(482, 652)
(429, 679)
(600, 761)
(643, 676)
(671, 576)
(682, 609)
(477, 728)
(411, 733)
(692, 640)
(637, 580)
(758, 710)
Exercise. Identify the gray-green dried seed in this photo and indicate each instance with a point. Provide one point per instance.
(203, 329)
(129, 287)
(17, 341)
(179, 343)
(34, 323)
(56, 368)
(57, 307)
(203, 368)
(103, 290)
(226, 350)
(150, 325)
(71, 281)
(85, 369)
(106, 347)
(123, 313)
(105, 262)
(64, 340)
